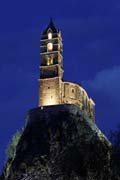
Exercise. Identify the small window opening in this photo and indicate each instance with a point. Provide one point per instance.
(49, 35)
(73, 91)
(49, 61)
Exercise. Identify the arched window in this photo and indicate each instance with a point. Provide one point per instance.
(49, 61)
(49, 35)
(50, 46)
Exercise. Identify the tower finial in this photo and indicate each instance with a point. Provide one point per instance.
(51, 19)
(51, 26)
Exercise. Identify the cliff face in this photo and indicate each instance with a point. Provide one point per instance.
(60, 143)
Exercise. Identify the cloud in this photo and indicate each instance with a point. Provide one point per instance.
(106, 82)
(105, 90)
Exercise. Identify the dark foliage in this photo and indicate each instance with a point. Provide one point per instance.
(115, 160)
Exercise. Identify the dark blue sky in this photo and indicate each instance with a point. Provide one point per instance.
(91, 39)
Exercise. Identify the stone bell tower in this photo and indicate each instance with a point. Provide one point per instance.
(52, 89)
(51, 71)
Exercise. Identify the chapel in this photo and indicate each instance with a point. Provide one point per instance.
(53, 90)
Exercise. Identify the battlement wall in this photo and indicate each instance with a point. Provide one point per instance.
(74, 94)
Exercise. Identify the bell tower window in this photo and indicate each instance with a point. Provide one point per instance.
(49, 35)
(49, 46)
(49, 61)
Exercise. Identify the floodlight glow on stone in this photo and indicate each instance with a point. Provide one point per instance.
(51, 100)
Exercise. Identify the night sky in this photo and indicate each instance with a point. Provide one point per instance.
(91, 42)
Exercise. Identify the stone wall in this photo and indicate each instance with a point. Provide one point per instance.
(54, 91)
(49, 72)
(74, 94)
(49, 91)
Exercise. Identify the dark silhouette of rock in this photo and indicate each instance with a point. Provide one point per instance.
(60, 143)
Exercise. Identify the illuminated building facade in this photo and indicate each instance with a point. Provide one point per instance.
(52, 89)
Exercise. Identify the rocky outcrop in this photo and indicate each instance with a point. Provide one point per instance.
(60, 143)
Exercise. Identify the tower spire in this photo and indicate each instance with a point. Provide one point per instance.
(51, 26)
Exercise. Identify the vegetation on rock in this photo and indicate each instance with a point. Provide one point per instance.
(11, 149)
(115, 159)
(59, 143)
